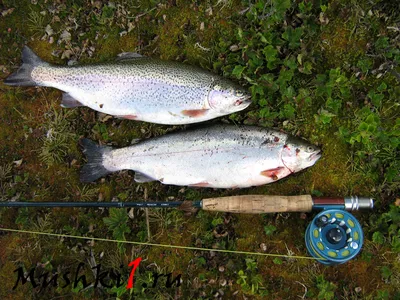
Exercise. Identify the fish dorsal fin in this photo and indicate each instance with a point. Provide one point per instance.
(128, 55)
(68, 101)
(140, 177)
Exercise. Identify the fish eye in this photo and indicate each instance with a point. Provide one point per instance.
(310, 149)
(239, 93)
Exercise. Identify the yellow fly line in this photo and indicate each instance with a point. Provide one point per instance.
(157, 245)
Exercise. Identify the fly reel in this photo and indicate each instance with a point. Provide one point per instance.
(334, 237)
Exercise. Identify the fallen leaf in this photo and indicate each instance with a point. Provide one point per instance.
(18, 162)
(7, 12)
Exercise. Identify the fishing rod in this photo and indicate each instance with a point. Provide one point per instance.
(334, 236)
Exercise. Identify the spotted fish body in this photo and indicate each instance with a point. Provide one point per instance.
(222, 156)
(137, 88)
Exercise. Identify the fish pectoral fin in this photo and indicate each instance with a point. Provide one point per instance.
(128, 55)
(195, 113)
(272, 173)
(68, 101)
(140, 177)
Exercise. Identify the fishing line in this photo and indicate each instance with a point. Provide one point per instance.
(158, 245)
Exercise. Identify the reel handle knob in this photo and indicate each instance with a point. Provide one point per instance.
(321, 221)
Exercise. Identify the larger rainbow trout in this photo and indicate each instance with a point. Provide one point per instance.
(137, 88)
(221, 156)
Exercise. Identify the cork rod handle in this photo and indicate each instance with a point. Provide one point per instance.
(258, 204)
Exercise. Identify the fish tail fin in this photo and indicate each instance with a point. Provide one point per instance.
(94, 167)
(22, 77)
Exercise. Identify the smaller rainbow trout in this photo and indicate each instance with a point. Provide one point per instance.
(218, 156)
(137, 88)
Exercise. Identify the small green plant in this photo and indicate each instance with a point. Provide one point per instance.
(23, 217)
(217, 221)
(36, 22)
(387, 228)
(43, 224)
(250, 281)
(100, 129)
(55, 148)
(84, 193)
(386, 273)
(118, 223)
(5, 175)
(56, 143)
(277, 261)
(382, 295)
(326, 288)
(5, 172)
(164, 219)
(269, 229)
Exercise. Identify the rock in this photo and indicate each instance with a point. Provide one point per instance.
(66, 54)
(263, 247)
(65, 37)
(234, 48)
(7, 12)
(49, 30)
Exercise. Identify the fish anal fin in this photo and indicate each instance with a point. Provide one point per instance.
(195, 113)
(140, 177)
(200, 184)
(272, 173)
(68, 101)
(128, 117)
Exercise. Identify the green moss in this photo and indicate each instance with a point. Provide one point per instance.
(113, 45)
(6, 272)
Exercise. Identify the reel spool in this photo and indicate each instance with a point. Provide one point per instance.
(334, 237)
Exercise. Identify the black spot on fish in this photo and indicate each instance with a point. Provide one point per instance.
(267, 141)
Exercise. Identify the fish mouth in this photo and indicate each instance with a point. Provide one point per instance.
(243, 101)
(315, 156)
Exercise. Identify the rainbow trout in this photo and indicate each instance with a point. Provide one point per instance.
(137, 88)
(219, 156)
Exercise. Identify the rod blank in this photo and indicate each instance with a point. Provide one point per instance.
(92, 204)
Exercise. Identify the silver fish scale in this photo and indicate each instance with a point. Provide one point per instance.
(119, 75)
(219, 156)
